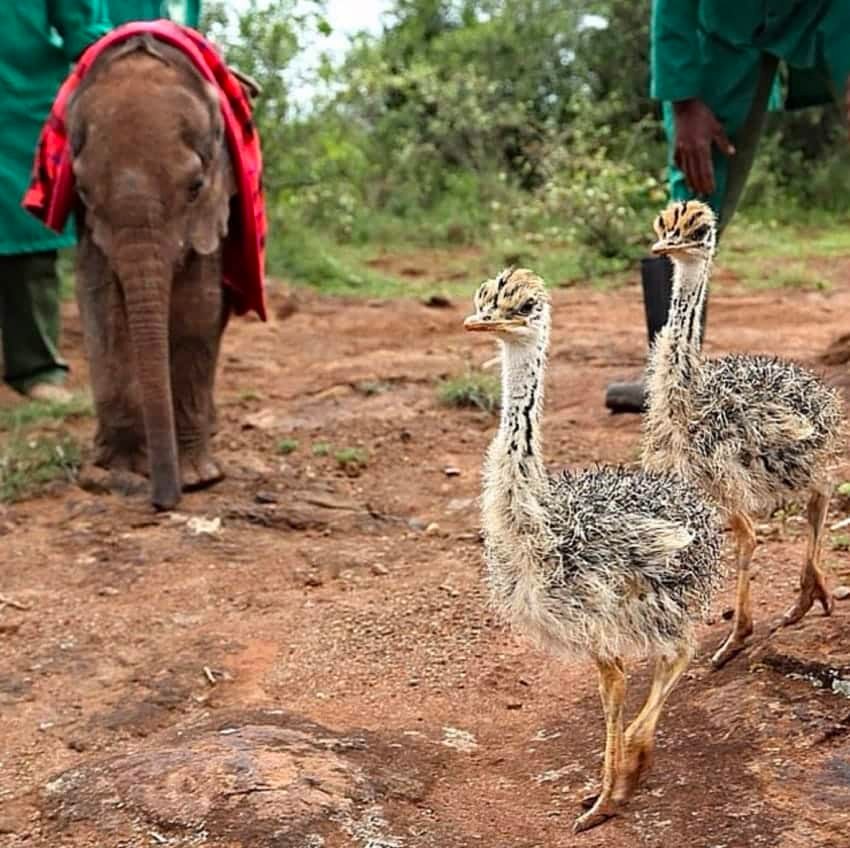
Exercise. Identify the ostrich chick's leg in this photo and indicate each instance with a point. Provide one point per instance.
(812, 583)
(612, 687)
(742, 625)
(639, 742)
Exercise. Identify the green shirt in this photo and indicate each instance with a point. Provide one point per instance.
(711, 49)
(39, 39)
(186, 12)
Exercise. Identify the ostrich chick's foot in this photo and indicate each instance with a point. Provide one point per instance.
(734, 644)
(816, 591)
(199, 470)
(602, 810)
(637, 760)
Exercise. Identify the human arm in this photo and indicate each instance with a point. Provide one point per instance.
(79, 22)
(677, 76)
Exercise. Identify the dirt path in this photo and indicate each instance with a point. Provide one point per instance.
(304, 658)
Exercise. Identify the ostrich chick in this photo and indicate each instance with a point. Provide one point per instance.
(750, 431)
(602, 564)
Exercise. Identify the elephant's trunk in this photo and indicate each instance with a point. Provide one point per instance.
(146, 283)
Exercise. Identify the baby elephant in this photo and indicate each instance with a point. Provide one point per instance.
(154, 180)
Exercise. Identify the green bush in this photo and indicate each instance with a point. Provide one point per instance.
(475, 389)
(484, 122)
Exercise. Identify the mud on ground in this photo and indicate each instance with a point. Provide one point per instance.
(300, 657)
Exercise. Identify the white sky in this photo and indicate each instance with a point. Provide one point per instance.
(346, 17)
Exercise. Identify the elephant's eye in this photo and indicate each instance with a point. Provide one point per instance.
(195, 188)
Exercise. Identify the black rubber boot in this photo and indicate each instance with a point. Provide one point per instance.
(656, 276)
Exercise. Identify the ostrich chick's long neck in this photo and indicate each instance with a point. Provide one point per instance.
(676, 356)
(516, 486)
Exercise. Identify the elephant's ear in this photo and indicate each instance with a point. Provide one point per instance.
(211, 212)
(101, 229)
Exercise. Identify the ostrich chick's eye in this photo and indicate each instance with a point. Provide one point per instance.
(700, 232)
(525, 308)
(195, 188)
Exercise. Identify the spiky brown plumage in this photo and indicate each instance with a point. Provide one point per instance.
(602, 563)
(751, 431)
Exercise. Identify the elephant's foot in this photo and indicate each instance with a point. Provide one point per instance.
(199, 470)
(109, 481)
(121, 460)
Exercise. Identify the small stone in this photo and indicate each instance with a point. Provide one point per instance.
(265, 419)
(841, 593)
(514, 705)
(313, 580)
(451, 471)
(460, 504)
(432, 529)
(78, 745)
(379, 570)
(405, 436)
(182, 619)
(265, 498)
(417, 524)
(413, 682)
(199, 526)
(108, 591)
(450, 590)
(439, 301)
(287, 306)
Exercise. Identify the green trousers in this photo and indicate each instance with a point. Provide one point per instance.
(29, 320)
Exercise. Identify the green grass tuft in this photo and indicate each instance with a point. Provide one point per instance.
(373, 387)
(250, 395)
(475, 389)
(35, 412)
(841, 542)
(29, 463)
(321, 449)
(287, 446)
(356, 457)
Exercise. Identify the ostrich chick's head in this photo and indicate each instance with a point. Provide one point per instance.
(515, 305)
(686, 230)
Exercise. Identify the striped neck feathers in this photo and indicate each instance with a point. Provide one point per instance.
(515, 481)
(674, 363)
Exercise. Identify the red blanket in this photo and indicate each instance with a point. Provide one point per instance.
(50, 196)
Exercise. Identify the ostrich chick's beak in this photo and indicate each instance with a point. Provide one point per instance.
(667, 248)
(477, 324)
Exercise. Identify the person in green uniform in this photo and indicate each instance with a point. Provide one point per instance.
(186, 12)
(714, 68)
(39, 39)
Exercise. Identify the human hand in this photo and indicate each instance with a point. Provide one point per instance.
(696, 131)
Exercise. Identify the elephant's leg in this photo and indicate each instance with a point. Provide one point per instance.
(198, 312)
(120, 435)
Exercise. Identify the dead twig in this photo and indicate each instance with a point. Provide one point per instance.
(260, 787)
(8, 602)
